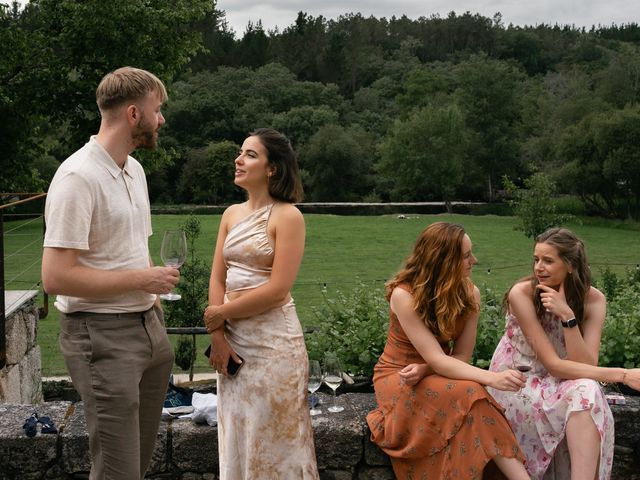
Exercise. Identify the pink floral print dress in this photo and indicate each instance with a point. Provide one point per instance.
(539, 417)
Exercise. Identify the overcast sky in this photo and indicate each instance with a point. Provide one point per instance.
(519, 12)
(283, 13)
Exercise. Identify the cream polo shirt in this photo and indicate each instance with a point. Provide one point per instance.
(96, 207)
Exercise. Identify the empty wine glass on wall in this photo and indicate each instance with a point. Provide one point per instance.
(315, 380)
(333, 379)
(173, 254)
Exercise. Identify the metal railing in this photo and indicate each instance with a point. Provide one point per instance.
(9, 211)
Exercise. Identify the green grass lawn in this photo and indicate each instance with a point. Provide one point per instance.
(342, 250)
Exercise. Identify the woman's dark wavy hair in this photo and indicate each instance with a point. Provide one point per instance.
(434, 271)
(284, 183)
(572, 252)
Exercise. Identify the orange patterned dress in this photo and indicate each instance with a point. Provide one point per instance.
(439, 428)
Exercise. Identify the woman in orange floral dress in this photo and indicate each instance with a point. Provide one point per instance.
(434, 417)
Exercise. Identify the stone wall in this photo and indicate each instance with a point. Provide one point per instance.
(21, 377)
(357, 208)
(186, 451)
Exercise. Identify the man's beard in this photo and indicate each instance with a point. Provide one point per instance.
(145, 137)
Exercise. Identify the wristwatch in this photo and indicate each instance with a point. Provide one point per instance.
(572, 322)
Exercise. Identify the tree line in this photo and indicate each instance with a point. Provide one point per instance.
(434, 108)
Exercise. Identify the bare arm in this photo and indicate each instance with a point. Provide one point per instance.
(583, 344)
(220, 348)
(463, 348)
(63, 274)
(289, 248)
(521, 305)
(218, 278)
(427, 345)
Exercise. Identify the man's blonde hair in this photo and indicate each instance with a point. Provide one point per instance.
(127, 84)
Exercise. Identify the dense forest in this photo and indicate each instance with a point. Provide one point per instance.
(398, 109)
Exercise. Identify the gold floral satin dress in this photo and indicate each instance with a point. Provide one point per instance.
(264, 427)
(439, 428)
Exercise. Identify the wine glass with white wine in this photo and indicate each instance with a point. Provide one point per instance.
(315, 380)
(333, 379)
(173, 254)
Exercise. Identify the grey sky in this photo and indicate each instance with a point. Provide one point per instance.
(519, 12)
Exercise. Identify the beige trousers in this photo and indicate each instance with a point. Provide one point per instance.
(120, 365)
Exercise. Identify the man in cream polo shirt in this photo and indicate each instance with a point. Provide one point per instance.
(96, 260)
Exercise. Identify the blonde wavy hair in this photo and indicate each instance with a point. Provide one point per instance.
(127, 84)
(435, 273)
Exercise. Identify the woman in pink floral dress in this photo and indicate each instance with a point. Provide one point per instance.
(554, 321)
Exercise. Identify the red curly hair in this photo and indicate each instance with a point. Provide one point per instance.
(435, 273)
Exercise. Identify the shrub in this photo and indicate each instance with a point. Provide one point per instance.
(353, 326)
(193, 286)
(184, 352)
(609, 283)
(490, 328)
(534, 205)
(620, 344)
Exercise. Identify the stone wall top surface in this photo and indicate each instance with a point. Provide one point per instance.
(14, 299)
(185, 450)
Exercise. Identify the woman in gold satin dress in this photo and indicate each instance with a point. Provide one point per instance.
(264, 427)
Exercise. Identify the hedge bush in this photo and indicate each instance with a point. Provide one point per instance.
(620, 344)
(354, 324)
